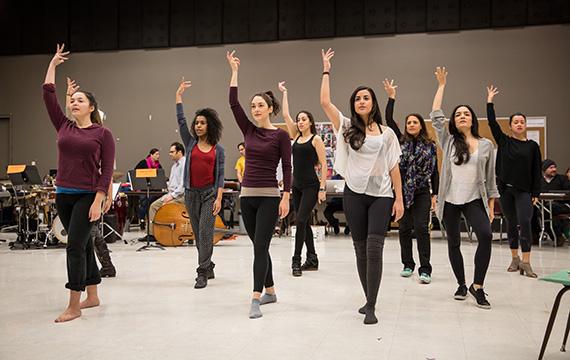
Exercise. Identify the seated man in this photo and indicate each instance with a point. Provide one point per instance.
(240, 163)
(175, 184)
(551, 181)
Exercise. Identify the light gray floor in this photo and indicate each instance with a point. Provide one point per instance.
(151, 311)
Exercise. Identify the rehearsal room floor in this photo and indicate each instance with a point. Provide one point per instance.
(151, 310)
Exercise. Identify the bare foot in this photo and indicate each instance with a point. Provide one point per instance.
(68, 315)
(89, 303)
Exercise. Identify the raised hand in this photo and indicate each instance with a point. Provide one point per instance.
(390, 88)
(232, 60)
(327, 56)
(441, 75)
(72, 87)
(491, 92)
(281, 86)
(184, 84)
(60, 55)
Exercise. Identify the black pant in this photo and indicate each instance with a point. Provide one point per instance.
(416, 218)
(259, 217)
(517, 207)
(368, 218)
(73, 210)
(476, 216)
(304, 201)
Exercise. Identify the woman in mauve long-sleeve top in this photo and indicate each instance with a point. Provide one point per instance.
(420, 180)
(86, 151)
(261, 202)
(467, 186)
(518, 169)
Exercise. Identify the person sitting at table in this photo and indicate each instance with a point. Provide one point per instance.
(175, 185)
(152, 161)
(552, 181)
(334, 205)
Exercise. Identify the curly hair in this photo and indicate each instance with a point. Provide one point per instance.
(215, 127)
(461, 147)
(356, 134)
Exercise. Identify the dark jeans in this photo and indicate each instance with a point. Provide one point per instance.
(416, 218)
(476, 216)
(368, 218)
(200, 203)
(334, 205)
(73, 211)
(259, 217)
(516, 205)
(304, 201)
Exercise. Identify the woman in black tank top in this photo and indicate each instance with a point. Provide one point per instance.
(308, 152)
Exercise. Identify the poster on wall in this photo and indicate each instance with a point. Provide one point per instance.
(326, 132)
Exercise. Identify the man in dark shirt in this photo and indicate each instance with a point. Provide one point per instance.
(552, 181)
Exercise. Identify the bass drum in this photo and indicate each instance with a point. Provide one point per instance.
(58, 230)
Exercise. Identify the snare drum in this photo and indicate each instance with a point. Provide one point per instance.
(58, 230)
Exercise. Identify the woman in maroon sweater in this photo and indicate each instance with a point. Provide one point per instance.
(261, 202)
(86, 151)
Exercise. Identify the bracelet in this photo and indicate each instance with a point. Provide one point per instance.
(322, 189)
(326, 73)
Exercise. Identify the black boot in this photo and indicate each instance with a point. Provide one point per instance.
(102, 252)
(296, 266)
(201, 280)
(311, 263)
(210, 274)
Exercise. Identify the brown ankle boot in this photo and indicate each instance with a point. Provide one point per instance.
(515, 263)
(526, 269)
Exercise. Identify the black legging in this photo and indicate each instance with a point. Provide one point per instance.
(73, 211)
(517, 207)
(476, 216)
(259, 217)
(368, 217)
(304, 201)
(416, 218)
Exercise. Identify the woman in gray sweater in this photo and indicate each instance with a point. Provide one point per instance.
(467, 186)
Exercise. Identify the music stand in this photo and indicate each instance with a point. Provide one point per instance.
(148, 179)
(23, 176)
(103, 223)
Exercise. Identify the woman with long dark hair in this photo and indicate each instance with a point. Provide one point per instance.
(468, 186)
(86, 151)
(367, 157)
(203, 179)
(518, 171)
(308, 152)
(420, 180)
(261, 202)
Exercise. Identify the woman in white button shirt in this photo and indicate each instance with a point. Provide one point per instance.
(367, 157)
(467, 186)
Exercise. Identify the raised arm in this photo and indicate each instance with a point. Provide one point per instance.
(322, 155)
(56, 115)
(437, 117)
(241, 118)
(498, 134)
(328, 107)
(291, 127)
(185, 133)
(391, 91)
